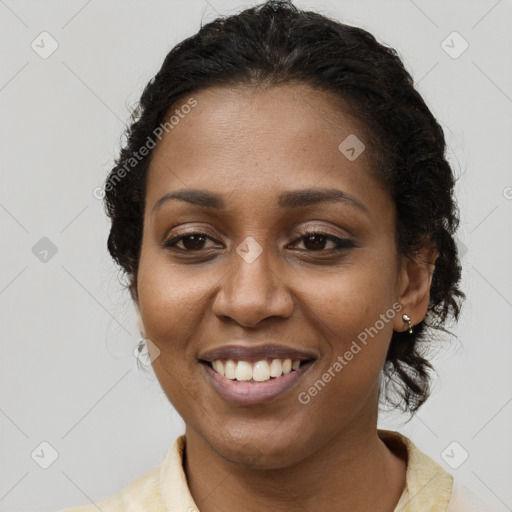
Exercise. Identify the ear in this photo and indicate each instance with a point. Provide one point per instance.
(135, 296)
(414, 281)
(140, 325)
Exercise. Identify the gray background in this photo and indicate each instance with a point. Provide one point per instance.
(68, 376)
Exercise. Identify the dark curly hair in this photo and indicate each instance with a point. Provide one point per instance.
(276, 43)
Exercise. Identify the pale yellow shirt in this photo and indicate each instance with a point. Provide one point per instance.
(164, 488)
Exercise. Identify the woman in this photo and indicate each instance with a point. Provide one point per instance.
(285, 215)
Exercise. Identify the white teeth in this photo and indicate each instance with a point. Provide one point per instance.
(243, 371)
(230, 369)
(218, 366)
(276, 368)
(260, 371)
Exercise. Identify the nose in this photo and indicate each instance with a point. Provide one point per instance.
(252, 291)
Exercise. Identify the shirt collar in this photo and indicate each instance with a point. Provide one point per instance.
(428, 486)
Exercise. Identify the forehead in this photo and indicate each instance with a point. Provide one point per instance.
(260, 142)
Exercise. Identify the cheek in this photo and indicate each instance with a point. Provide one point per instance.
(171, 308)
(353, 312)
(174, 301)
(354, 297)
(169, 304)
(346, 310)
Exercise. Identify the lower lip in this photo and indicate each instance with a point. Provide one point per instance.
(251, 393)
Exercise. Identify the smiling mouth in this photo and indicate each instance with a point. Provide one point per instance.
(256, 371)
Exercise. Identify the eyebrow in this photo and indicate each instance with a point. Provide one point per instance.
(290, 199)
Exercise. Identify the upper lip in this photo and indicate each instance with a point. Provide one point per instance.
(255, 353)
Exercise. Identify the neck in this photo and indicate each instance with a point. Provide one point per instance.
(354, 471)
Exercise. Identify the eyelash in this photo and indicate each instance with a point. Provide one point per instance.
(341, 243)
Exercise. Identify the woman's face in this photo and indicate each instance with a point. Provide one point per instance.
(257, 278)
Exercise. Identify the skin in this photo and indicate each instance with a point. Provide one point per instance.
(249, 146)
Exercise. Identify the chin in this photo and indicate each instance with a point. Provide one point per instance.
(259, 451)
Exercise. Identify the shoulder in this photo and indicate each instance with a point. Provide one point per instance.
(428, 485)
(144, 493)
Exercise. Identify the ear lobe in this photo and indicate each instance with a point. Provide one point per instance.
(416, 275)
(134, 292)
(135, 296)
(140, 325)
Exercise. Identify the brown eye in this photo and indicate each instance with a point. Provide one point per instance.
(193, 242)
(190, 242)
(316, 241)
